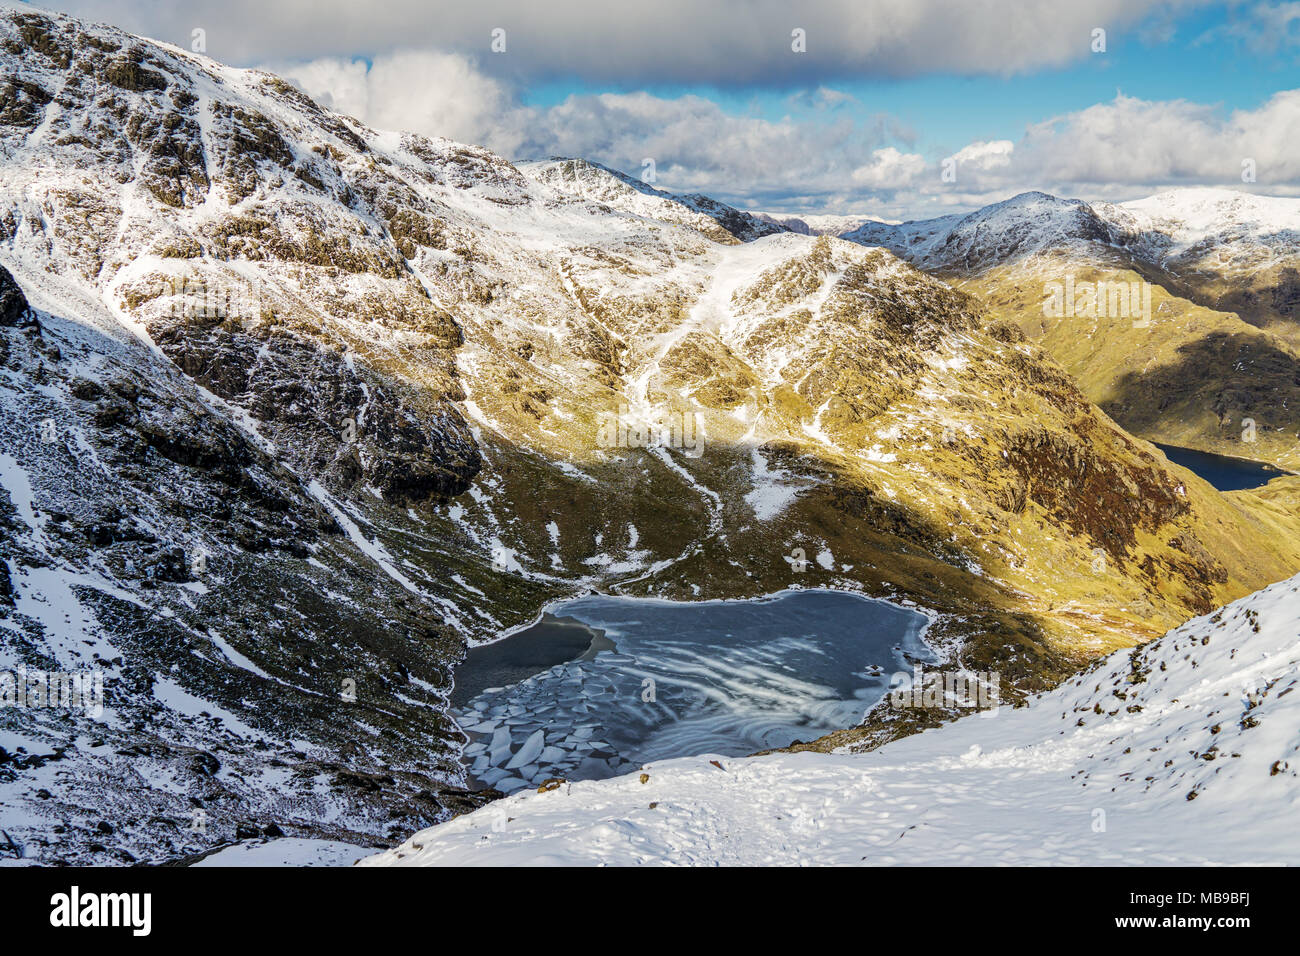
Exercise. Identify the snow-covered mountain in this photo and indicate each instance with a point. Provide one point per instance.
(817, 225)
(1182, 224)
(588, 180)
(1173, 228)
(296, 409)
(1022, 226)
(1217, 358)
(1185, 751)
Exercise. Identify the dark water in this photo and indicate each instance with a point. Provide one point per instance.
(614, 682)
(549, 641)
(1225, 473)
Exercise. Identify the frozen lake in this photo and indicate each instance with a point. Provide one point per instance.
(604, 684)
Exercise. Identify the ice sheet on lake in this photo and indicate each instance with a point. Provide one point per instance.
(706, 677)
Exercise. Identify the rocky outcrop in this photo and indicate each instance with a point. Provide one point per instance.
(13, 304)
(331, 417)
(243, 643)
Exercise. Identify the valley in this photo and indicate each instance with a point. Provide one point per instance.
(1208, 368)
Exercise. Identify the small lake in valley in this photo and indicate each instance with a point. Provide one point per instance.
(600, 685)
(1222, 471)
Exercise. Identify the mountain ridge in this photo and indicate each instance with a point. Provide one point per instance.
(1213, 367)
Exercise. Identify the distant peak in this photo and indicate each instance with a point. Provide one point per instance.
(1034, 197)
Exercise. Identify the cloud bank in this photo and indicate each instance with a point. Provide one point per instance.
(1119, 149)
(725, 43)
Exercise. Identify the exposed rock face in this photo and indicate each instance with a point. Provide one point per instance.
(332, 418)
(13, 304)
(187, 545)
(242, 639)
(131, 111)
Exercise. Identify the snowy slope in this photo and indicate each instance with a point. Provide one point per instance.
(1185, 751)
(1191, 216)
(819, 225)
(589, 180)
(1017, 227)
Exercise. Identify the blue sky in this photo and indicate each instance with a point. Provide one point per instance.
(1196, 61)
(1008, 93)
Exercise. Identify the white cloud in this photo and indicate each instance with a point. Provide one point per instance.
(890, 169)
(1131, 142)
(696, 145)
(984, 156)
(821, 98)
(826, 161)
(1263, 28)
(438, 94)
(1121, 149)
